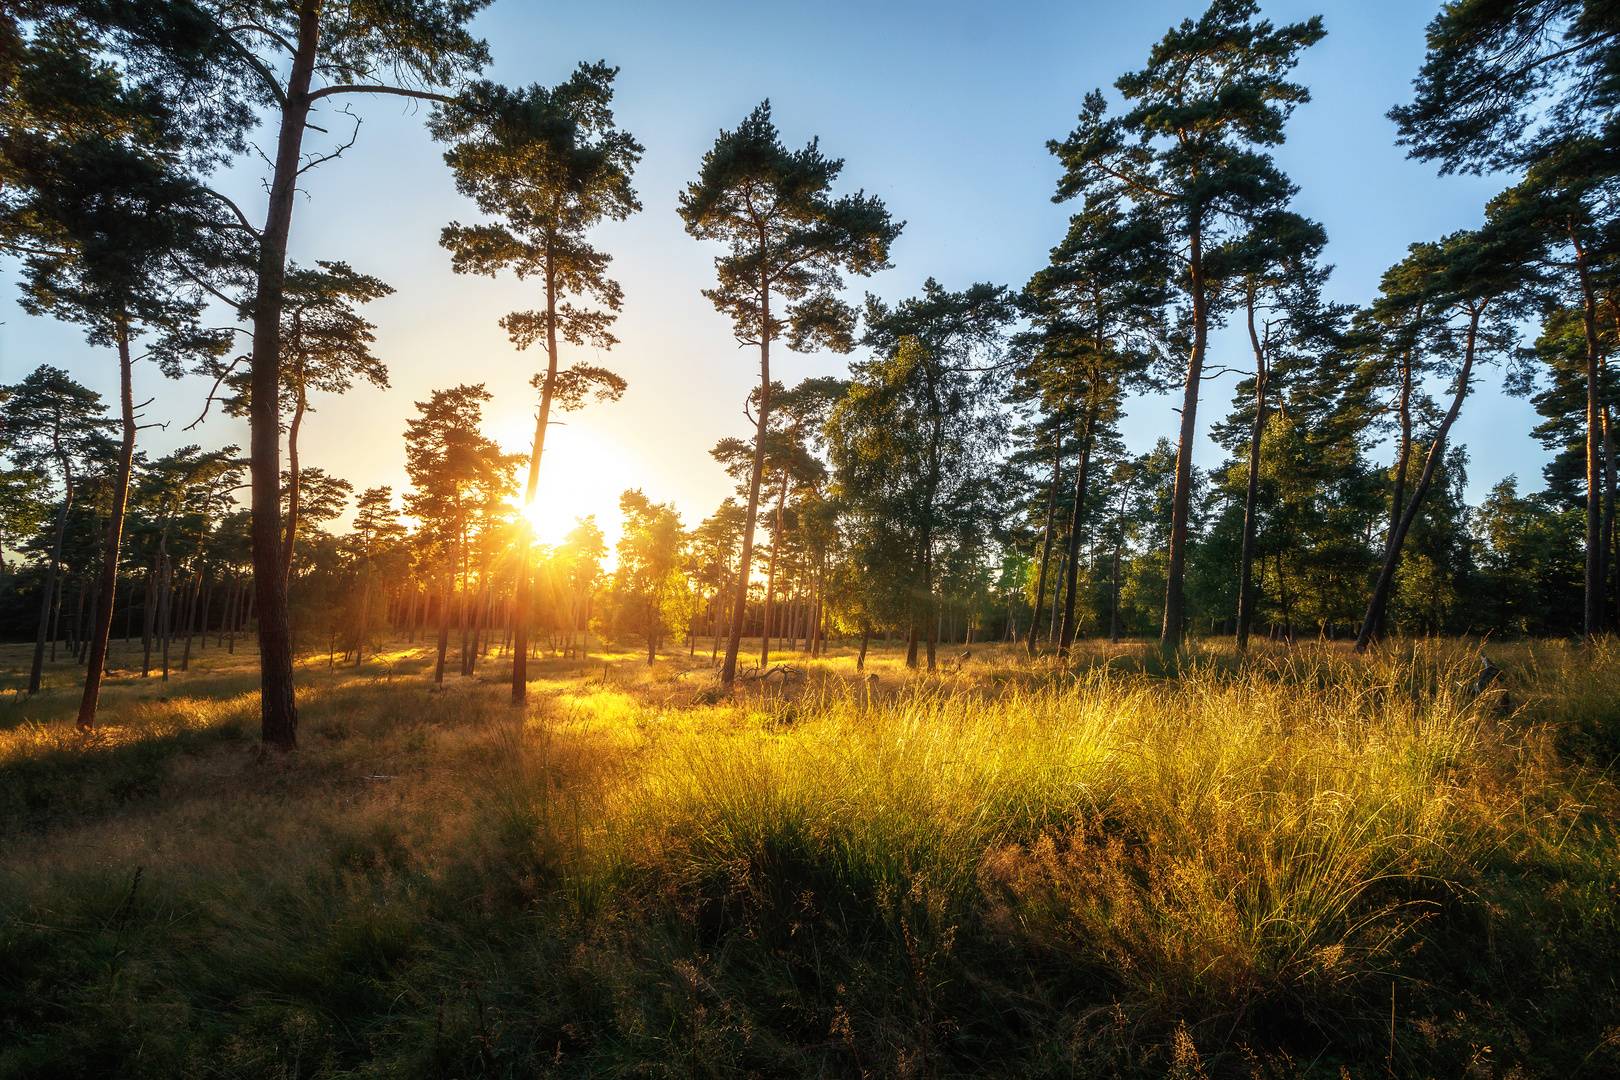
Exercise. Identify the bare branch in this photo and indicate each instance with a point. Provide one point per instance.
(267, 32)
(184, 269)
(237, 210)
(209, 400)
(397, 91)
(324, 158)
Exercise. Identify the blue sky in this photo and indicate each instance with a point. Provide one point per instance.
(943, 110)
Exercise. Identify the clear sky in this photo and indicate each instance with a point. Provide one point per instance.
(943, 110)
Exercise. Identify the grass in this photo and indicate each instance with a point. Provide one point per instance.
(1301, 865)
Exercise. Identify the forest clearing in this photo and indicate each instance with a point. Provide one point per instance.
(1305, 864)
(1012, 601)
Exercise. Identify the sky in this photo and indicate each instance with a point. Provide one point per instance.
(943, 110)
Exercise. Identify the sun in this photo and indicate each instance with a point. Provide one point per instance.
(582, 474)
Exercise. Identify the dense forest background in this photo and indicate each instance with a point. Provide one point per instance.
(967, 481)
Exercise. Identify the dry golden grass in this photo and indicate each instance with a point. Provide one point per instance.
(1127, 865)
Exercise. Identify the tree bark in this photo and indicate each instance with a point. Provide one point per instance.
(1046, 544)
(1175, 616)
(520, 646)
(1595, 583)
(728, 671)
(1251, 496)
(102, 630)
(1081, 481)
(53, 570)
(278, 708)
(444, 624)
(770, 573)
(1386, 575)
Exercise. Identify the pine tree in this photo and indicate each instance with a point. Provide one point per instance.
(789, 241)
(550, 164)
(1214, 91)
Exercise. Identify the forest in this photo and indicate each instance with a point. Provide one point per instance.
(965, 738)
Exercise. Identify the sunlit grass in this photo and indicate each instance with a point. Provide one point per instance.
(1132, 858)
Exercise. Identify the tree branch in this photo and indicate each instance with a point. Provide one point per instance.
(184, 269)
(237, 210)
(362, 88)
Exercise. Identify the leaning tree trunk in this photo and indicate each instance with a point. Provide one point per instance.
(1046, 545)
(1403, 460)
(1082, 480)
(1392, 556)
(278, 709)
(728, 671)
(115, 533)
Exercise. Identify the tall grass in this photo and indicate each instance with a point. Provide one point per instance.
(1131, 864)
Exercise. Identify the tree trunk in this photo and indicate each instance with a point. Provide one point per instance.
(278, 708)
(1595, 583)
(149, 618)
(165, 600)
(1403, 458)
(1386, 575)
(1081, 480)
(520, 643)
(444, 623)
(728, 672)
(770, 573)
(52, 571)
(295, 490)
(1251, 495)
(1046, 544)
(365, 598)
(115, 534)
(1175, 616)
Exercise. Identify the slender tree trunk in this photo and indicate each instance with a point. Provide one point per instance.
(365, 598)
(520, 644)
(444, 623)
(52, 572)
(191, 617)
(1386, 575)
(295, 490)
(1082, 480)
(770, 573)
(1397, 501)
(1595, 583)
(56, 614)
(1113, 607)
(1046, 544)
(866, 635)
(728, 672)
(165, 602)
(97, 666)
(930, 607)
(278, 709)
(1608, 497)
(1251, 495)
(1175, 616)
(149, 618)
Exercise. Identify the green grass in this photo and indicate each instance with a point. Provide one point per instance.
(1305, 864)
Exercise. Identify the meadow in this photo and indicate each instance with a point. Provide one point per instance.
(1305, 864)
